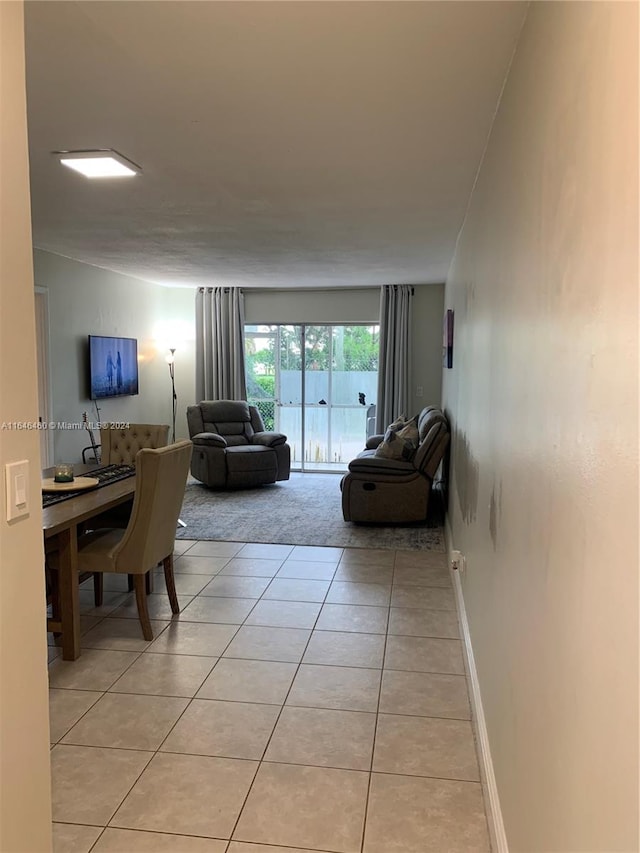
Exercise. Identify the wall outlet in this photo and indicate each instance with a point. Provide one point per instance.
(419, 391)
(458, 561)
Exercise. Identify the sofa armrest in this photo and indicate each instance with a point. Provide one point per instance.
(373, 441)
(209, 439)
(268, 439)
(371, 466)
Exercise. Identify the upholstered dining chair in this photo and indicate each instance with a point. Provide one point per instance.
(161, 476)
(119, 446)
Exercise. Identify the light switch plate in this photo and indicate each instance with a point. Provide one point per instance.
(17, 489)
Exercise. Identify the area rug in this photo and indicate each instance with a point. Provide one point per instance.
(305, 510)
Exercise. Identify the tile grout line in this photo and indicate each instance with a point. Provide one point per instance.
(192, 698)
(103, 829)
(267, 705)
(375, 730)
(93, 704)
(282, 707)
(261, 761)
(157, 750)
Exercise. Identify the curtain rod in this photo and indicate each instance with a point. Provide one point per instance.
(308, 289)
(376, 287)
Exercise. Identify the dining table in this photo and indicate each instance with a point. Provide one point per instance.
(61, 522)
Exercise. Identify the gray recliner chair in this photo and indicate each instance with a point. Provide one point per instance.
(395, 491)
(232, 449)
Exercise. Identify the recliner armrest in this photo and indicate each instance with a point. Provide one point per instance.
(268, 439)
(373, 441)
(209, 439)
(370, 466)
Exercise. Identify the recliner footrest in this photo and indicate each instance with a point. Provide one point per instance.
(251, 465)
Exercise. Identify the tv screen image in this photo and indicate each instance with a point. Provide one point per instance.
(113, 366)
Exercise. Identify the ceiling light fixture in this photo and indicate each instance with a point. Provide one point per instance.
(101, 163)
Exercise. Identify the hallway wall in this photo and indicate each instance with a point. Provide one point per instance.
(25, 799)
(543, 399)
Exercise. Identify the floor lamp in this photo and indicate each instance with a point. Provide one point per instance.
(171, 361)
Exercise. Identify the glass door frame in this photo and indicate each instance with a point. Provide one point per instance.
(275, 333)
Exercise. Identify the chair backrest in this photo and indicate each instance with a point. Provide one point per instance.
(236, 420)
(120, 446)
(433, 430)
(161, 477)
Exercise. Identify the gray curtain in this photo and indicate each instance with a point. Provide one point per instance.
(395, 354)
(220, 344)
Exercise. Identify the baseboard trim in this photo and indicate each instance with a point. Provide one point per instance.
(490, 789)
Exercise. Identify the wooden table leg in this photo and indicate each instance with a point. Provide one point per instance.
(69, 593)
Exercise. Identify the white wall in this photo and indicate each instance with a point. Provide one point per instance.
(178, 306)
(543, 399)
(25, 804)
(88, 300)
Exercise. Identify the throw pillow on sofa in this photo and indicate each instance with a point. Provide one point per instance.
(400, 441)
(399, 422)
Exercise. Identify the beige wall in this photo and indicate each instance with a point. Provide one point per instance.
(25, 807)
(88, 300)
(426, 345)
(356, 305)
(544, 403)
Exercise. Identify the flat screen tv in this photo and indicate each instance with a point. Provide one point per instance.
(113, 366)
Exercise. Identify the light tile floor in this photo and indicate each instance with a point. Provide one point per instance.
(305, 699)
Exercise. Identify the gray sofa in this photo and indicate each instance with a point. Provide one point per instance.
(395, 491)
(231, 449)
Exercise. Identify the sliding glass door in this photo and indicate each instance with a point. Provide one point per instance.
(317, 384)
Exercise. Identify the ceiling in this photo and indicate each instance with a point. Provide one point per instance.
(283, 144)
